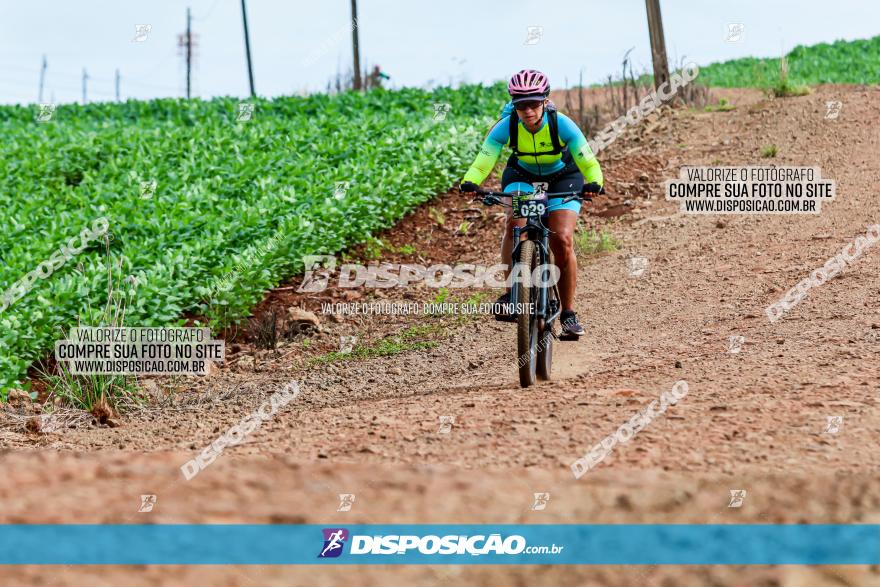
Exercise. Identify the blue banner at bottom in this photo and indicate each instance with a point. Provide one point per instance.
(537, 544)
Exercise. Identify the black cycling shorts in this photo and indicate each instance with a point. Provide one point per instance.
(568, 179)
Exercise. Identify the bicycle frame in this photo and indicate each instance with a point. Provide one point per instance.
(536, 231)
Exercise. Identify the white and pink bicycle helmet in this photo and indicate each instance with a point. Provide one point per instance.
(528, 84)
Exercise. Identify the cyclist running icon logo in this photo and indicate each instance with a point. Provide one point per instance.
(334, 540)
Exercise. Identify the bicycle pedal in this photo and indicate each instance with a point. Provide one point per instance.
(568, 336)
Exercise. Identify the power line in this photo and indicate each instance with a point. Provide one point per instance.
(63, 74)
(190, 43)
(149, 85)
(210, 12)
(109, 81)
(51, 86)
(31, 71)
(161, 62)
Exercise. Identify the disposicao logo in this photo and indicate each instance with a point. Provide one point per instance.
(334, 540)
(405, 544)
(452, 544)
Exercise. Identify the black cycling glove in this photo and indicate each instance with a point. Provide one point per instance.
(468, 187)
(593, 188)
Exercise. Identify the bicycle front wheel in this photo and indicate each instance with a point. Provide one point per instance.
(526, 322)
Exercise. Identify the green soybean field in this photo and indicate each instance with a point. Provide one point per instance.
(208, 204)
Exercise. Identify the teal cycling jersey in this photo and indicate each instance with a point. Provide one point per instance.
(539, 143)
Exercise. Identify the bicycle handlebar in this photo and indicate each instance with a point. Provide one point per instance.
(494, 197)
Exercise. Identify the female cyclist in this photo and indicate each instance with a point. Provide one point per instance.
(547, 148)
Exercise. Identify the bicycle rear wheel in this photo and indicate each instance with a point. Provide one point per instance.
(526, 322)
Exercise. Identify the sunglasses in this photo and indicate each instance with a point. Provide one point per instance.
(530, 105)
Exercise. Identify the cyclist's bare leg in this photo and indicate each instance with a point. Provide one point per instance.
(562, 224)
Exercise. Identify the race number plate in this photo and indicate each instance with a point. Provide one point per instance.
(526, 207)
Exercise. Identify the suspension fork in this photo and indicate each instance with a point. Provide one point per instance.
(543, 310)
(543, 301)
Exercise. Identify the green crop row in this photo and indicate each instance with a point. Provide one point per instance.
(236, 203)
(841, 62)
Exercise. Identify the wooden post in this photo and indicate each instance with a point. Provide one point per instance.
(658, 43)
(358, 83)
(247, 49)
(188, 53)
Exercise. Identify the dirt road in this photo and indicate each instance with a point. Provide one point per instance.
(788, 413)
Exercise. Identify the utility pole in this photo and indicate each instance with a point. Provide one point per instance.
(358, 84)
(117, 85)
(658, 43)
(188, 53)
(247, 48)
(187, 43)
(42, 79)
(85, 80)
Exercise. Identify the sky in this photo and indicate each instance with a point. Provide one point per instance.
(298, 46)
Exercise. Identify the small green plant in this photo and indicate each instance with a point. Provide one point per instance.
(373, 248)
(769, 151)
(469, 315)
(411, 339)
(306, 343)
(437, 216)
(721, 106)
(592, 242)
(464, 227)
(441, 296)
(783, 87)
(406, 250)
(477, 299)
(421, 331)
(97, 393)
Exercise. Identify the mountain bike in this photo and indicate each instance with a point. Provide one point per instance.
(535, 295)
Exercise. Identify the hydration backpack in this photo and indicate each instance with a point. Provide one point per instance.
(552, 123)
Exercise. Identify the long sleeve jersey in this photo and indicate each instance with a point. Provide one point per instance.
(569, 135)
